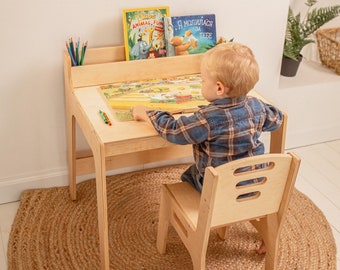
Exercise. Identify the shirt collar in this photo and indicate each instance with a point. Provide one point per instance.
(228, 101)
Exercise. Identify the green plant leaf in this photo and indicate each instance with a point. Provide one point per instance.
(299, 30)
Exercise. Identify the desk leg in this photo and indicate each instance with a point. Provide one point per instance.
(278, 137)
(71, 154)
(99, 158)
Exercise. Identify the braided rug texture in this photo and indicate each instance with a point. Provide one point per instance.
(52, 232)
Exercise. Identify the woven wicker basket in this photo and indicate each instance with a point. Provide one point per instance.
(329, 47)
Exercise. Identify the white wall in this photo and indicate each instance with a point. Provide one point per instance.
(32, 38)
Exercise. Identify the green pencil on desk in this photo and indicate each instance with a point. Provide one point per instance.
(105, 118)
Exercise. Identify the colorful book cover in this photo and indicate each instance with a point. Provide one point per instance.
(144, 32)
(190, 34)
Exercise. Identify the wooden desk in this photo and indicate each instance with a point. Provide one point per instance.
(124, 143)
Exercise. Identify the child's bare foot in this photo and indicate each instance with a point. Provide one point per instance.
(262, 249)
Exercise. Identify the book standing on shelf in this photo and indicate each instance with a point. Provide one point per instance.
(190, 34)
(144, 32)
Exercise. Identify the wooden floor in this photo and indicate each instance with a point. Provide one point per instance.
(319, 179)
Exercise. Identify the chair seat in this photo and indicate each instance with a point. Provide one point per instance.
(188, 199)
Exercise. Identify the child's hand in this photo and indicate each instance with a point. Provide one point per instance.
(139, 113)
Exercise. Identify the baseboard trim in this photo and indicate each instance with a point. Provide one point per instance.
(12, 187)
(297, 139)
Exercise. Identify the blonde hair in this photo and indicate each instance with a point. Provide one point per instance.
(234, 65)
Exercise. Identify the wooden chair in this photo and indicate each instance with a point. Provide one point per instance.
(264, 204)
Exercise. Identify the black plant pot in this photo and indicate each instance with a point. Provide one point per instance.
(289, 67)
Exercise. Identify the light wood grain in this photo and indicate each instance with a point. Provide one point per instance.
(193, 215)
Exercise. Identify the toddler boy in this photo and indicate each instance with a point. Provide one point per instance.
(229, 127)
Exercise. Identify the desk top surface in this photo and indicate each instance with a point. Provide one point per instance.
(91, 101)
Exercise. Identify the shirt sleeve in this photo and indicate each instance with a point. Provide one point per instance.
(191, 129)
(273, 118)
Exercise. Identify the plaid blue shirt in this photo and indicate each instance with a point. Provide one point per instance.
(222, 131)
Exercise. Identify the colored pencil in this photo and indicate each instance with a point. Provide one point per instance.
(103, 116)
(107, 119)
(77, 53)
(70, 53)
(83, 51)
(72, 48)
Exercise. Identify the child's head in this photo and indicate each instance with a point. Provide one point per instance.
(234, 66)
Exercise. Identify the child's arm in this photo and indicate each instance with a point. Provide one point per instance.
(274, 118)
(184, 130)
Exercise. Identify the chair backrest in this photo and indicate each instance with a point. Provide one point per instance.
(231, 202)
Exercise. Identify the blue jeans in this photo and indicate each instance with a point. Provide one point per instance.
(192, 176)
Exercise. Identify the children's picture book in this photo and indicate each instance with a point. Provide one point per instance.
(175, 94)
(144, 32)
(190, 34)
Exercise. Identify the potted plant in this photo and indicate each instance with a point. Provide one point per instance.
(299, 30)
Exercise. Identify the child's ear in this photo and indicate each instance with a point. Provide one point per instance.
(221, 89)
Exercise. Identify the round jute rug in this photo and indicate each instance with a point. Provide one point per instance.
(52, 232)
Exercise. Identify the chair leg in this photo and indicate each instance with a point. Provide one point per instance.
(223, 232)
(163, 221)
(269, 229)
(198, 262)
(198, 250)
(271, 260)
(271, 242)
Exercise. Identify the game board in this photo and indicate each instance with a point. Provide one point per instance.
(176, 94)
